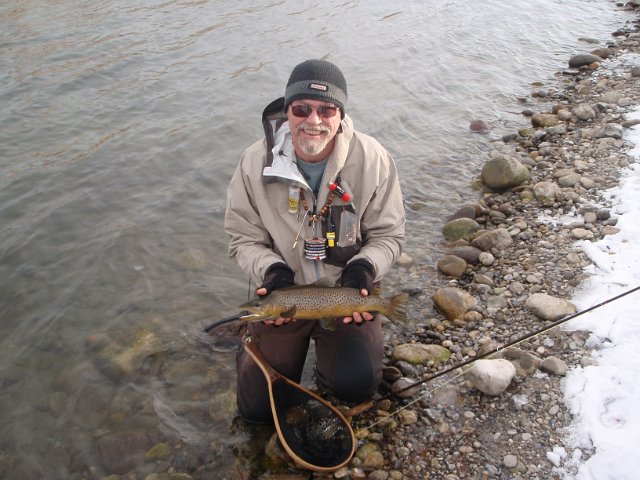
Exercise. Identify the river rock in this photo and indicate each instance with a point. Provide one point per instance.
(503, 172)
(452, 266)
(548, 307)
(159, 451)
(126, 356)
(610, 130)
(544, 120)
(486, 259)
(420, 353)
(498, 238)
(222, 405)
(491, 377)
(193, 259)
(121, 452)
(446, 396)
(460, 228)
(582, 233)
(602, 52)
(479, 126)
(453, 302)
(469, 254)
(526, 364)
(408, 417)
(585, 112)
(391, 374)
(583, 59)
(570, 180)
(510, 461)
(275, 455)
(58, 403)
(547, 193)
(554, 366)
(401, 389)
(466, 211)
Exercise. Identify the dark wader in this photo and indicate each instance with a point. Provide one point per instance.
(348, 361)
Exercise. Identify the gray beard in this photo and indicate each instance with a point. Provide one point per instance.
(313, 147)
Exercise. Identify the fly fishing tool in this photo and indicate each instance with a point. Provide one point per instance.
(311, 430)
(315, 247)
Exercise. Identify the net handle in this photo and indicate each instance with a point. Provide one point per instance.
(272, 376)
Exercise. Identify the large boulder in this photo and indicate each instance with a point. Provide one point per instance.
(504, 172)
(491, 377)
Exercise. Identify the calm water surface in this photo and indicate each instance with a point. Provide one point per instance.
(121, 124)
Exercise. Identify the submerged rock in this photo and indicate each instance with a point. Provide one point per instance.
(126, 355)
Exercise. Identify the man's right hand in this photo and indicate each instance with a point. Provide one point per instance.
(278, 275)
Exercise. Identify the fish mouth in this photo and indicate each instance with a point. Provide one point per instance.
(252, 312)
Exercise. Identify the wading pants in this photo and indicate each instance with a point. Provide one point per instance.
(348, 361)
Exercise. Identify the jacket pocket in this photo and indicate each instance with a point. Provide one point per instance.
(341, 252)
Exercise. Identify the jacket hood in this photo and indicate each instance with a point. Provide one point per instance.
(281, 158)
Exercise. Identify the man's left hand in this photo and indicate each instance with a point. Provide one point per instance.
(358, 317)
(358, 274)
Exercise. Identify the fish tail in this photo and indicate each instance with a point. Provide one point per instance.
(397, 310)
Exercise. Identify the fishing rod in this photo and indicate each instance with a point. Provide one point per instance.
(357, 409)
(367, 405)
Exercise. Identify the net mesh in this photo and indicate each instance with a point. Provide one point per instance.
(313, 431)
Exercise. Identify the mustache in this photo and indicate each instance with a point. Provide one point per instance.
(315, 128)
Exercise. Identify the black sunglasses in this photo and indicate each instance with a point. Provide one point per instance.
(324, 111)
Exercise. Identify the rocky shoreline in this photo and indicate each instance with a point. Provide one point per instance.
(511, 267)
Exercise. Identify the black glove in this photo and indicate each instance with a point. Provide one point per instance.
(278, 275)
(358, 274)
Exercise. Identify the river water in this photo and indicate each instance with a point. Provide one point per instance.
(121, 125)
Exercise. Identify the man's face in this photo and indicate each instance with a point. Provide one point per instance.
(313, 135)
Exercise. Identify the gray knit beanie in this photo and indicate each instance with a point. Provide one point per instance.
(318, 80)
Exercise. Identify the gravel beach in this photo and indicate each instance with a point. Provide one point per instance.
(511, 268)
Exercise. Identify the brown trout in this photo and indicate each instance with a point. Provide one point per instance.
(312, 302)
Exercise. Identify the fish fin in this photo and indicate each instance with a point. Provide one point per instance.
(323, 282)
(328, 324)
(398, 307)
(290, 313)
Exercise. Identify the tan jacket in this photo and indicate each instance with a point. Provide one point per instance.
(262, 230)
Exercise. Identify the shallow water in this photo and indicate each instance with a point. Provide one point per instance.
(121, 125)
